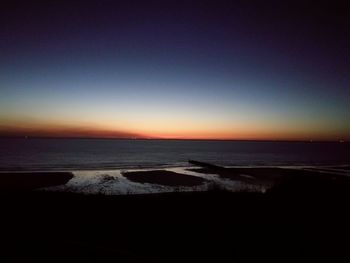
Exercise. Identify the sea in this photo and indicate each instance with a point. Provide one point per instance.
(46, 154)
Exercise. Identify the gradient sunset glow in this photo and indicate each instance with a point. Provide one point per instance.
(178, 73)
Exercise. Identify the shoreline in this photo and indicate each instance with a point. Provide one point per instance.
(188, 178)
(345, 166)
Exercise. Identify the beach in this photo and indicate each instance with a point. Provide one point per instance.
(188, 178)
(174, 131)
(303, 216)
(146, 201)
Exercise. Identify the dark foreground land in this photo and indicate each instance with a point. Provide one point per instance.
(162, 177)
(302, 219)
(27, 181)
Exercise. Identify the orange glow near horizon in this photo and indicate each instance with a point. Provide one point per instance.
(165, 130)
(145, 74)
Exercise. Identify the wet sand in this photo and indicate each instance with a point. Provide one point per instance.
(260, 173)
(347, 167)
(284, 179)
(163, 177)
(24, 181)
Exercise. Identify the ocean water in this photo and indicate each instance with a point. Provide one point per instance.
(76, 154)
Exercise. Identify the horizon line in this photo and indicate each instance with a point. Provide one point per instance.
(171, 139)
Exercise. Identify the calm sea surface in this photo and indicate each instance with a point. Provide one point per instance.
(59, 154)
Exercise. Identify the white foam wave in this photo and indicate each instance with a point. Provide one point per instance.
(112, 182)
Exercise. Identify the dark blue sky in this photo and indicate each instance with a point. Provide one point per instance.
(206, 69)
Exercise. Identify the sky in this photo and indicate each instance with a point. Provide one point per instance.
(265, 70)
